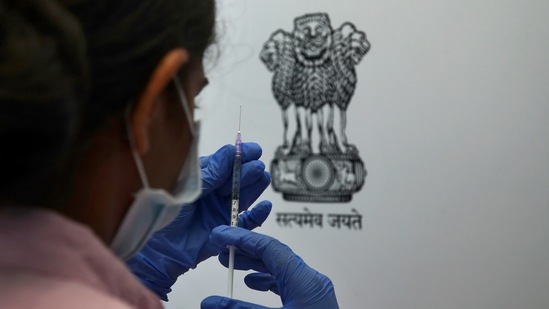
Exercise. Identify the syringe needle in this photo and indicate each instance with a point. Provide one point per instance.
(239, 117)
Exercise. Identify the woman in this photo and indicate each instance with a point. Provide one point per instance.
(99, 151)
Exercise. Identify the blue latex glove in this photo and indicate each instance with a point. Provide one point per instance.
(184, 243)
(281, 271)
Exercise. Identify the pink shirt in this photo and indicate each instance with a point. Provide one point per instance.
(49, 261)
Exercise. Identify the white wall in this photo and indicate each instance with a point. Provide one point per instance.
(450, 117)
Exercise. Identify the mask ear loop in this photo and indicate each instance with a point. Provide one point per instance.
(136, 157)
(185, 104)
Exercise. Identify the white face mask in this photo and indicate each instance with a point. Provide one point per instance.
(153, 209)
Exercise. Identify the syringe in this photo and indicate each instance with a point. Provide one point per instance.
(237, 167)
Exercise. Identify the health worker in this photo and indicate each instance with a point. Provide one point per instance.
(104, 202)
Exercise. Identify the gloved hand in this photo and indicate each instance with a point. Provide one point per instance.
(184, 243)
(281, 271)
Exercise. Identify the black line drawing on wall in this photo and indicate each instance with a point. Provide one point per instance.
(314, 76)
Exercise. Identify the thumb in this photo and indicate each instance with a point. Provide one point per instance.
(218, 302)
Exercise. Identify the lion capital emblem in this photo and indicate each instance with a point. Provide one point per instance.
(314, 76)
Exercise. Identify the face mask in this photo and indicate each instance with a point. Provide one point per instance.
(153, 209)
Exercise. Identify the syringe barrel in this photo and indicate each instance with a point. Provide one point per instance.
(237, 168)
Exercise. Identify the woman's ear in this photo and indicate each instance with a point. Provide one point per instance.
(145, 103)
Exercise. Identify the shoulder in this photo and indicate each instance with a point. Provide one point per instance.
(28, 290)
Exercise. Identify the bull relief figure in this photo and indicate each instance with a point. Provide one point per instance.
(314, 71)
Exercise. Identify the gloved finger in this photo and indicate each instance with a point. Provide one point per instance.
(243, 262)
(250, 194)
(216, 168)
(218, 302)
(251, 151)
(261, 282)
(274, 254)
(252, 218)
(250, 174)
